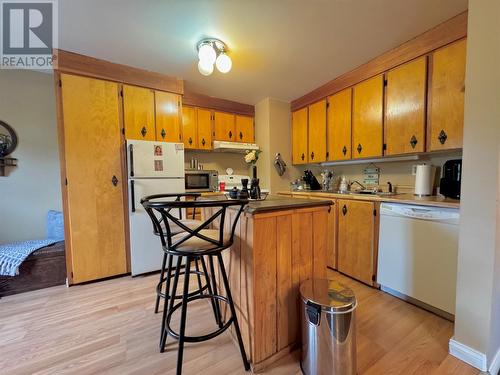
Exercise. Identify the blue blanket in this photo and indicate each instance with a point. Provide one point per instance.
(13, 254)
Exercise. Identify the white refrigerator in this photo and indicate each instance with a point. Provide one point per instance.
(153, 168)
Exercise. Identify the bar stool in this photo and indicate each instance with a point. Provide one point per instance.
(190, 244)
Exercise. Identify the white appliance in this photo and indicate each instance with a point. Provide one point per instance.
(237, 147)
(424, 180)
(153, 168)
(417, 255)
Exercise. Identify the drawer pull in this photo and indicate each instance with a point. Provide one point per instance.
(144, 131)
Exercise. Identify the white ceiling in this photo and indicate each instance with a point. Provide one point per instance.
(280, 48)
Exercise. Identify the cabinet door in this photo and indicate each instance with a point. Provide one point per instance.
(367, 120)
(339, 125)
(94, 208)
(244, 129)
(189, 125)
(331, 242)
(168, 117)
(446, 97)
(299, 136)
(139, 113)
(317, 132)
(204, 128)
(224, 125)
(405, 108)
(356, 230)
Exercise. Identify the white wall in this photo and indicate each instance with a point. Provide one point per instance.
(27, 103)
(477, 322)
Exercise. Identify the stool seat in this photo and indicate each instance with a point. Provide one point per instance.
(198, 244)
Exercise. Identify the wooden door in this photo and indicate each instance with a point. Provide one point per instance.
(331, 242)
(339, 125)
(139, 113)
(244, 129)
(367, 118)
(317, 132)
(405, 108)
(446, 97)
(224, 125)
(356, 239)
(189, 126)
(204, 128)
(94, 207)
(168, 117)
(299, 136)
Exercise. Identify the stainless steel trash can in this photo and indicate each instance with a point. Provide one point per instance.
(328, 328)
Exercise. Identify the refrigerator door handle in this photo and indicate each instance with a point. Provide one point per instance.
(132, 194)
(131, 152)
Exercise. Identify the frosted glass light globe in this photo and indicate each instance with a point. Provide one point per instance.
(207, 54)
(223, 63)
(204, 68)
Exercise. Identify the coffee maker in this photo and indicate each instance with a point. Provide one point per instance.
(451, 179)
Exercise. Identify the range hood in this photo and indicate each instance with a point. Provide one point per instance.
(237, 147)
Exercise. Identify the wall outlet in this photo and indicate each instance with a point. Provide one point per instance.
(414, 169)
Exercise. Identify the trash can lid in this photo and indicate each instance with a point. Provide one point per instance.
(331, 295)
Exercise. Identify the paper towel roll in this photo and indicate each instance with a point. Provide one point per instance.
(424, 180)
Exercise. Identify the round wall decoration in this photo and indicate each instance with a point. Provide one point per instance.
(8, 139)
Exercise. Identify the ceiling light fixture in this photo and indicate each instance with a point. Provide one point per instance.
(213, 51)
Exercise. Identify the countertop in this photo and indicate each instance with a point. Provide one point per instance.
(434, 201)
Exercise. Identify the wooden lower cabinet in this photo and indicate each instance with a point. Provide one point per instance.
(91, 148)
(331, 244)
(357, 239)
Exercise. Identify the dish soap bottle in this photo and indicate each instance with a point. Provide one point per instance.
(343, 185)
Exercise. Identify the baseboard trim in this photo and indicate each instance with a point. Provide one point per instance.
(495, 364)
(468, 355)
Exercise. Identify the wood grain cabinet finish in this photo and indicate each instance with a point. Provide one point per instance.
(446, 97)
(224, 126)
(244, 129)
(339, 117)
(94, 203)
(139, 113)
(168, 117)
(299, 136)
(317, 132)
(356, 239)
(189, 127)
(367, 118)
(204, 129)
(405, 111)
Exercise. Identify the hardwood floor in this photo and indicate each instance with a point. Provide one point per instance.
(110, 328)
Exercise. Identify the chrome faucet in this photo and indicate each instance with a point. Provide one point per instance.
(363, 187)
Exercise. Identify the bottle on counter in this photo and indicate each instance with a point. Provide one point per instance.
(344, 186)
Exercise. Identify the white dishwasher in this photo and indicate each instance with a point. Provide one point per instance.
(417, 255)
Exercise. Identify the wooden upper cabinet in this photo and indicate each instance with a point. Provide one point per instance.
(299, 136)
(168, 117)
(317, 132)
(224, 126)
(244, 129)
(356, 239)
(139, 113)
(339, 125)
(96, 229)
(446, 97)
(367, 118)
(189, 127)
(405, 108)
(204, 128)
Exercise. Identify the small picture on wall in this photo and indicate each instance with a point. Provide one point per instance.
(158, 150)
(158, 165)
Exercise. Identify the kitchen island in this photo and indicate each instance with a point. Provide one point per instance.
(279, 243)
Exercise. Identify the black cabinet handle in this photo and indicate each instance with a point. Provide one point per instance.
(344, 210)
(359, 148)
(230, 134)
(114, 181)
(302, 156)
(144, 131)
(131, 156)
(203, 141)
(413, 141)
(163, 133)
(344, 150)
(241, 135)
(190, 140)
(132, 195)
(442, 137)
(312, 155)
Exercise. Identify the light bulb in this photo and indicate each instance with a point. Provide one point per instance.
(204, 68)
(206, 53)
(223, 63)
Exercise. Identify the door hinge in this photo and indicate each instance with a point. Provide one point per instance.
(71, 274)
(327, 155)
(66, 181)
(121, 93)
(385, 82)
(123, 131)
(60, 83)
(374, 278)
(375, 212)
(327, 104)
(384, 147)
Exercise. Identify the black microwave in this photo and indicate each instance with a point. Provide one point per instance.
(201, 180)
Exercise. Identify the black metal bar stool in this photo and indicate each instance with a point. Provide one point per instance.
(190, 244)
